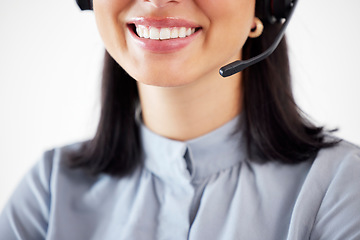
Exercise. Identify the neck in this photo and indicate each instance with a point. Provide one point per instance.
(186, 112)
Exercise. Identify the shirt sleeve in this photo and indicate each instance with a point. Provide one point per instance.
(26, 214)
(339, 214)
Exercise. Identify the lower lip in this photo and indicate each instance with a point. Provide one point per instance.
(163, 46)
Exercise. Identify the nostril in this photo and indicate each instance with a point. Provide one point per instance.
(161, 3)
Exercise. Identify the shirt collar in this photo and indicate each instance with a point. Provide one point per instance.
(206, 155)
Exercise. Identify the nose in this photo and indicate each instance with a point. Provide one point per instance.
(162, 3)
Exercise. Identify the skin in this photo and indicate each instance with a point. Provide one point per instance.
(181, 93)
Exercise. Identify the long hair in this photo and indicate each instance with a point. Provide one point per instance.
(115, 148)
(275, 128)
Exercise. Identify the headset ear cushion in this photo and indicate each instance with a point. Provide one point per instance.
(281, 8)
(264, 10)
(261, 10)
(85, 4)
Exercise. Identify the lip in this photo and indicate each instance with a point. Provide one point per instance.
(163, 22)
(162, 46)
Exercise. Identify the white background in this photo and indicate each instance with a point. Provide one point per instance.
(50, 65)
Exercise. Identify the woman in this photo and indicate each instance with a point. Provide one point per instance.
(182, 153)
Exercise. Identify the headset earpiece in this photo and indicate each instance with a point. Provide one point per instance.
(85, 4)
(281, 8)
(262, 10)
(273, 10)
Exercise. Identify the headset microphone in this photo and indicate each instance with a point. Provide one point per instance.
(240, 65)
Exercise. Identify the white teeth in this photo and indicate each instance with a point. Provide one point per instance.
(154, 33)
(146, 33)
(182, 32)
(188, 32)
(140, 31)
(163, 33)
(174, 33)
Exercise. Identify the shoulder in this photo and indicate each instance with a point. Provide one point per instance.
(27, 212)
(49, 165)
(342, 150)
(336, 172)
(41, 177)
(61, 154)
(56, 159)
(338, 216)
(328, 205)
(341, 159)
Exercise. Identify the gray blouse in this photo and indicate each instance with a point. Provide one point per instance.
(203, 189)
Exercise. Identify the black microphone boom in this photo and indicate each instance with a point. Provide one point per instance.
(240, 65)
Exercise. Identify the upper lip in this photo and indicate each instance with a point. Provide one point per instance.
(166, 22)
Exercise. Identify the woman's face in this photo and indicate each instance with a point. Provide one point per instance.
(197, 36)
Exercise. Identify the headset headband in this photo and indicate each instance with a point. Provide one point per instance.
(85, 4)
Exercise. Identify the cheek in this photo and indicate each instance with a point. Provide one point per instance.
(233, 17)
(114, 8)
(229, 25)
(225, 8)
(107, 14)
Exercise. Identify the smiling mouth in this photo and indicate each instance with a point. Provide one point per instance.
(165, 33)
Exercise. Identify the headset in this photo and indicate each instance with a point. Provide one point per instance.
(271, 11)
(85, 4)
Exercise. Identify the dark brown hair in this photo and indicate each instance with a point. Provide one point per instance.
(275, 128)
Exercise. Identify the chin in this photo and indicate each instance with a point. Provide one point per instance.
(168, 82)
(163, 79)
